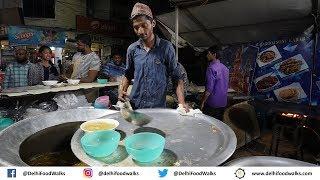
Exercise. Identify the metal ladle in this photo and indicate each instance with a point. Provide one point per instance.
(134, 117)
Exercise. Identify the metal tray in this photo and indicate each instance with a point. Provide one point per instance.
(12, 137)
(267, 161)
(190, 141)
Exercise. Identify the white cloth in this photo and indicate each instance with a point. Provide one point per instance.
(191, 112)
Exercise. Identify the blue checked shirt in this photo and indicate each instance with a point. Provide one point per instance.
(150, 71)
(16, 75)
(111, 69)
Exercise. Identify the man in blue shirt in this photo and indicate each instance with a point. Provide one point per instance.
(115, 68)
(150, 61)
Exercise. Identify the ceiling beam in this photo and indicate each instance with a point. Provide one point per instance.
(192, 3)
(214, 39)
(307, 19)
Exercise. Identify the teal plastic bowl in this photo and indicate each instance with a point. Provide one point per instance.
(102, 81)
(145, 146)
(5, 122)
(100, 143)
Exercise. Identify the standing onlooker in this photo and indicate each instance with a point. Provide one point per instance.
(86, 63)
(16, 74)
(115, 68)
(214, 99)
(43, 70)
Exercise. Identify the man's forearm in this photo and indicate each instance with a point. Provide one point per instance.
(86, 80)
(125, 84)
(69, 71)
(205, 97)
(180, 92)
(92, 74)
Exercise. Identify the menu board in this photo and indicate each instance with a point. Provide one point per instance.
(239, 60)
(283, 70)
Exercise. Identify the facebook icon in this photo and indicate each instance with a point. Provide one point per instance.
(11, 173)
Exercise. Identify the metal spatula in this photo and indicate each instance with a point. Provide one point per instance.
(134, 117)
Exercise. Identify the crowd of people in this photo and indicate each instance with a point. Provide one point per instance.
(151, 68)
(85, 66)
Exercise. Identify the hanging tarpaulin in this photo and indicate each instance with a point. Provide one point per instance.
(19, 35)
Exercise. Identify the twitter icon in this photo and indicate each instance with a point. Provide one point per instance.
(163, 173)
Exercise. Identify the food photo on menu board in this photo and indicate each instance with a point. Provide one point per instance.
(268, 56)
(282, 70)
(291, 93)
(292, 66)
(266, 82)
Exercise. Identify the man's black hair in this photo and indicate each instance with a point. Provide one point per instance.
(42, 48)
(215, 49)
(84, 38)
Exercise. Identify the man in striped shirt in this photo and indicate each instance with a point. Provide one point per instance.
(86, 63)
(16, 74)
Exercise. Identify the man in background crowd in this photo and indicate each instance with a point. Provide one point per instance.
(16, 74)
(115, 68)
(214, 99)
(86, 63)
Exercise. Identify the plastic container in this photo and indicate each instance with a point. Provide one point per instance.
(99, 125)
(145, 146)
(73, 81)
(102, 102)
(49, 83)
(102, 81)
(5, 122)
(100, 143)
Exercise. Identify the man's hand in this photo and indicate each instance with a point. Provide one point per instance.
(204, 99)
(62, 77)
(186, 107)
(201, 106)
(122, 96)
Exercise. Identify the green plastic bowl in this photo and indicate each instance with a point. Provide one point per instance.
(102, 81)
(145, 146)
(5, 122)
(100, 143)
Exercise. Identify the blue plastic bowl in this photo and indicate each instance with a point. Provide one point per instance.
(145, 146)
(5, 122)
(102, 81)
(100, 143)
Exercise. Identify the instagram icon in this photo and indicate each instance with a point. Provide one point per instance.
(87, 172)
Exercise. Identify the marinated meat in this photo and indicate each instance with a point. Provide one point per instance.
(290, 66)
(267, 82)
(267, 56)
